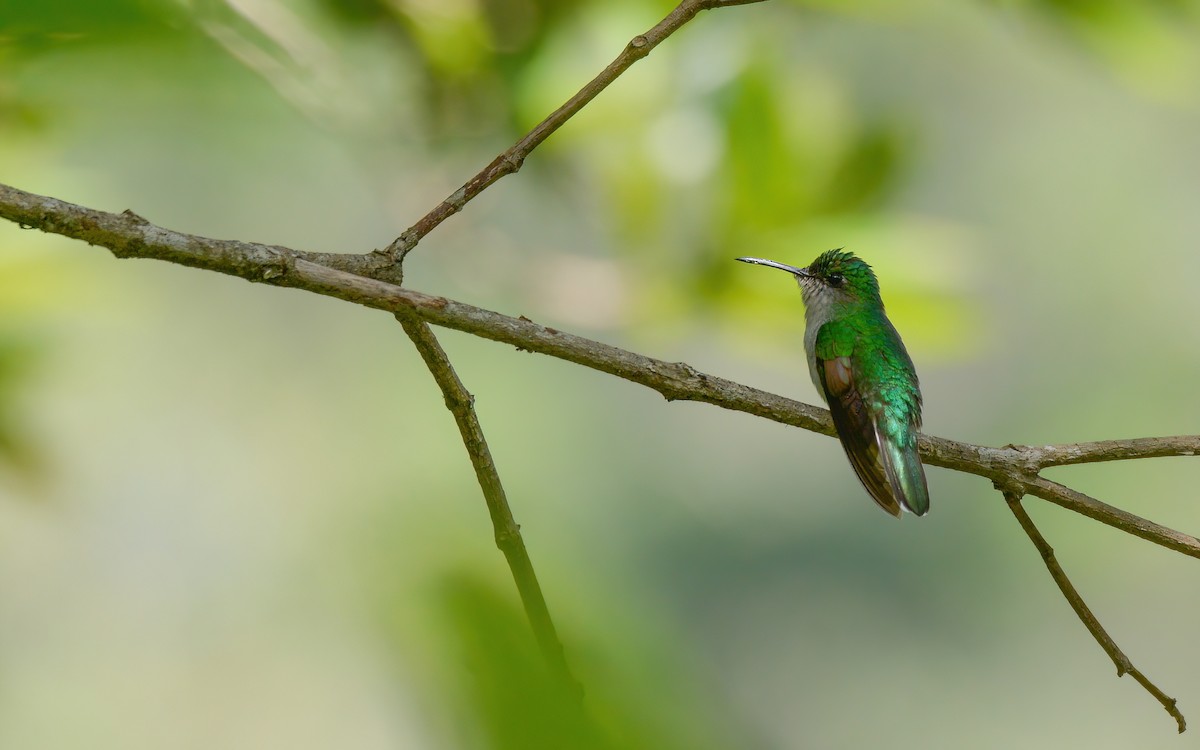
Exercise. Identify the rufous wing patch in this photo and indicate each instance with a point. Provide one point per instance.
(856, 429)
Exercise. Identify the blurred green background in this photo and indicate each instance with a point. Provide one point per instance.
(237, 516)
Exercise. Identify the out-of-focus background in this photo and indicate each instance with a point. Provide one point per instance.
(237, 516)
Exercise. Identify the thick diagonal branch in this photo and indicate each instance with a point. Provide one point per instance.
(507, 532)
(130, 236)
(1122, 662)
(1014, 468)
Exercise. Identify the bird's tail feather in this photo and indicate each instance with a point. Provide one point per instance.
(906, 476)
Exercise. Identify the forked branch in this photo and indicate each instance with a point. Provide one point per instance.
(1013, 467)
(511, 160)
(460, 403)
(371, 279)
(130, 236)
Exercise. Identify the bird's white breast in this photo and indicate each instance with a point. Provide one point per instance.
(818, 309)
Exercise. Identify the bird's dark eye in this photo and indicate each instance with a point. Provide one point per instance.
(836, 279)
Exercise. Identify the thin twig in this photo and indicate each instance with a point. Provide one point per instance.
(130, 236)
(1113, 450)
(1073, 499)
(1122, 662)
(511, 160)
(507, 532)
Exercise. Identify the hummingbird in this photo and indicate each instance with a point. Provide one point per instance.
(860, 367)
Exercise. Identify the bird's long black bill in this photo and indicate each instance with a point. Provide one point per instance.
(776, 264)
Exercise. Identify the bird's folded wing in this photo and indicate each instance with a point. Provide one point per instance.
(856, 428)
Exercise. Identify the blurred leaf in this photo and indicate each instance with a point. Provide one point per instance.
(510, 698)
(767, 180)
(1152, 45)
(50, 23)
(17, 358)
(511, 694)
(16, 114)
(1104, 11)
(870, 167)
(523, 25)
(361, 12)
(519, 32)
(468, 56)
(452, 35)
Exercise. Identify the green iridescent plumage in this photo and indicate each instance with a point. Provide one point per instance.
(861, 368)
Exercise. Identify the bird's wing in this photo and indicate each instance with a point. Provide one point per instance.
(856, 426)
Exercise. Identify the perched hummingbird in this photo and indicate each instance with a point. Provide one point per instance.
(862, 370)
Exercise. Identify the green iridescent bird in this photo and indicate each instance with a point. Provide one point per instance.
(861, 368)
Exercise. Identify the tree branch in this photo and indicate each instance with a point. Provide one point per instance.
(128, 235)
(1112, 450)
(1012, 468)
(372, 279)
(1122, 662)
(1075, 500)
(511, 160)
(507, 532)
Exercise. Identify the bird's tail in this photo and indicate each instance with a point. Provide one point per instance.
(905, 473)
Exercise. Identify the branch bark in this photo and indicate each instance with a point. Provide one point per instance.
(1084, 612)
(511, 160)
(372, 279)
(128, 236)
(1014, 469)
(507, 532)
(1111, 450)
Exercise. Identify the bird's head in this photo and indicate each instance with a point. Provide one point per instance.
(835, 277)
